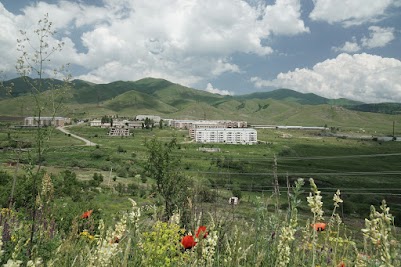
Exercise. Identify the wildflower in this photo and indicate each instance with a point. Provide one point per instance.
(319, 226)
(201, 232)
(86, 234)
(188, 241)
(86, 214)
(315, 201)
(342, 264)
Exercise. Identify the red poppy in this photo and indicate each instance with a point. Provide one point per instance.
(201, 231)
(342, 264)
(188, 241)
(319, 226)
(86, 214)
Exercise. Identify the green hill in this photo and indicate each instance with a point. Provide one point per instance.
(170, 100)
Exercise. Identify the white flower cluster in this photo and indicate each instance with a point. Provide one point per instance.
(378, 230)
(209, 245)
(13, 263)
(315, 201)
(284, 250)
(106, 247)
(175, 218)
(134, 215)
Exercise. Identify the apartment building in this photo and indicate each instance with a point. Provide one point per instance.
(246, 136)
(46, 121)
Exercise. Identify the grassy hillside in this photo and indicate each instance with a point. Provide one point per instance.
(169, 100)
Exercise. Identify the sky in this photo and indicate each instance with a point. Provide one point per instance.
(333, 48)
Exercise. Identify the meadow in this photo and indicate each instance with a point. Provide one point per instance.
(280, 228)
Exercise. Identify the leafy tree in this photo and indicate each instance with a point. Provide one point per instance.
(148, 123)
(165, 167)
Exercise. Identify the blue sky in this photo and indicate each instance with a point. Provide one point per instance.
(334, 48)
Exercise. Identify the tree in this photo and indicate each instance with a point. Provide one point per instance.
(165, 167)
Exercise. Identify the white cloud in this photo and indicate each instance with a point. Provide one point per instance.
(285, 17)
(211, 89)
(378, 37)
(185, 41)
(8, 30)
(350, 12)
(363, 77)
(348, 47)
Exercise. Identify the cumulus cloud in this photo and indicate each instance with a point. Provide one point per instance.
(378, 37)
(348, 47)
(284, 17)
(185, 41)
(362, 77)
(350, 13)
(211, 89)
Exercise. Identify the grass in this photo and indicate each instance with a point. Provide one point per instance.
(333, 162)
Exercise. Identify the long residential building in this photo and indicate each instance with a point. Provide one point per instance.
(188, 124)
(246, 136)
(46, 121)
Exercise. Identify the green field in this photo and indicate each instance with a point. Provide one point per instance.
(365, 171)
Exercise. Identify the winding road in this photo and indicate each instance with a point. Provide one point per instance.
(87, 142)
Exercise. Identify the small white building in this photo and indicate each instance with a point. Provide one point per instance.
(95, 123)
(151, 117)
(233, 200)
(246, 136)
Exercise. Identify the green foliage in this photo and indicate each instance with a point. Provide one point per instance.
(97, 154)
(97, 179)
(236, 191)
(164, 166)
(161, 246)
(120, 149)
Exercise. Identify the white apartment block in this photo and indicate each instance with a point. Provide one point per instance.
(46, 121)
(245, 136)
(188, 124)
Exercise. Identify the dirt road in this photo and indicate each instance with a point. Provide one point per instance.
(87, 142)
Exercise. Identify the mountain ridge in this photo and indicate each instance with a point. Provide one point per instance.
(162, 97)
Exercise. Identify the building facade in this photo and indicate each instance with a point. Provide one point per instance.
(46, 121)
(244, 136)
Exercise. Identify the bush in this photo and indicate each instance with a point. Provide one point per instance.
(97, 154)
